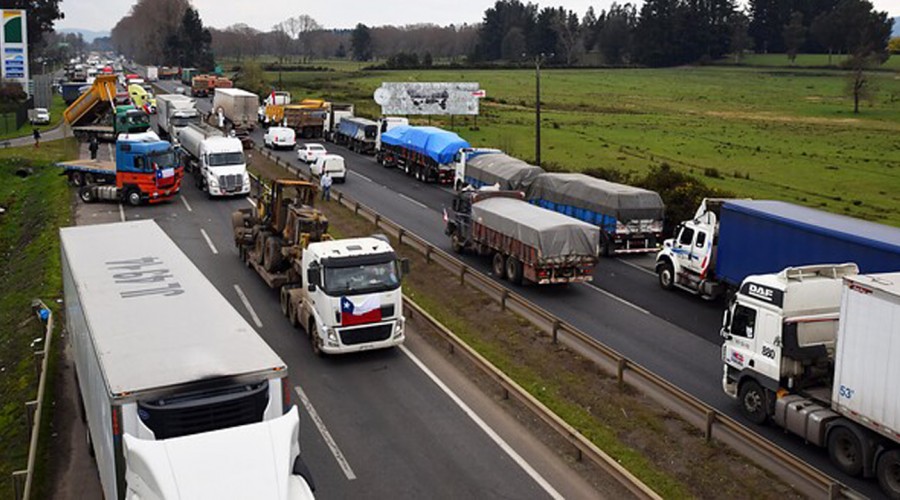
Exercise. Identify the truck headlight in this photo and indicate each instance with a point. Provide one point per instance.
(331, 335)
(213, 182)
(398, 327)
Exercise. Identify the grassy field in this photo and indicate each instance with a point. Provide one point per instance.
(804, 61)
(56, 115)
(36, 206)
(777, 133)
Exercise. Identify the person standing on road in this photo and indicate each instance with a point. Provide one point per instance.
(325, 183)
(93, 146)
(37, 137)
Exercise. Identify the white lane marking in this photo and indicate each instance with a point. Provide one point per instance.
(620, 299)
(121, 212)
(407, 198)
(186, 204)
(209, 242)
(251, 201)
(338, 455)
(639, 268)
(361, 176)
(248, 306)
(484, 427)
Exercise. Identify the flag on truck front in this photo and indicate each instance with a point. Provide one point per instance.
(367, 311)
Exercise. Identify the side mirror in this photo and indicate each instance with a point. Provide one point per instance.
(404, 266)
(725, 332)
(313, 277)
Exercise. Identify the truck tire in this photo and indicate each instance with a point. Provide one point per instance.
(76, 179)
(455, 244)
(845, 449)
(273, 261)
(666, 275)
(498, 265)
(754, 402)
(514, 270)
(314, 339)
(292, 314)
(133, 197)
(260, 245)
(89, 179)
(285, 300)
(889, 473)
(86, 193)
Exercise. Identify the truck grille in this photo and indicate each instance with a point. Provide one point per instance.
(366, 334)
(231, 182)
(205, 411)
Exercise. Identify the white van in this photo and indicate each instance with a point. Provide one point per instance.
(331, 163)
(280, 137)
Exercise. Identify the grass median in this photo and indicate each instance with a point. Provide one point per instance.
(657, 446)
(36, 203)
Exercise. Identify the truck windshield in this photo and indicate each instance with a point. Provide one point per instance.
(164, 159)
(136, 118)
(223, 159)
(183, 121)
(361, 278)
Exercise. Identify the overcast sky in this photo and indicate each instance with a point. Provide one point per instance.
(102, 15)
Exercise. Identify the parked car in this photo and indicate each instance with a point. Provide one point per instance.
(40, 116)
(308, 153)
(280, 137)
(331, 163)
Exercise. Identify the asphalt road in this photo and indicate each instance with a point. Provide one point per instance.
(672, 333)
(383, 424)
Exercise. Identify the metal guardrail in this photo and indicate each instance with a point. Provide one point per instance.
(714, 424)
(22, 479)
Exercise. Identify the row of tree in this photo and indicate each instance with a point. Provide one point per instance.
(164, 32)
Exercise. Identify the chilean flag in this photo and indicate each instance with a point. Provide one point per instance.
(367, 311)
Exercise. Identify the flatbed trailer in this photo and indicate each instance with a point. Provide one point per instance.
(81, 172)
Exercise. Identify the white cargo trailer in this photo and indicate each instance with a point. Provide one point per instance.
(238, 107)
(161, 355)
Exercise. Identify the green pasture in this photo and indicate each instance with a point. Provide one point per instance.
(803, 61)
(779, 133)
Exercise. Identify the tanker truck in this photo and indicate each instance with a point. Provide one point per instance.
(216, 160)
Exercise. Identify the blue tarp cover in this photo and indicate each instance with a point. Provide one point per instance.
(439, 145)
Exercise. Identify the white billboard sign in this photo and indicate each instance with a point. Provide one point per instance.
(14, 47)
(428, 98)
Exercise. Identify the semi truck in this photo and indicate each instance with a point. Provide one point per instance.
(813, 349)
(237, 106)
(216, 161)
(145, 170)
(169, 73)
(483, 167)
(386, 123)
(630, 218)
(425, 153)
(335, 113)
(152, 73)
(188, 74)
(95, 113)
(306, 118)
(346, 294)
(728, 240)
(181, 397)
(357, 134)
(271, 111)
(525, 242)
(174, 112)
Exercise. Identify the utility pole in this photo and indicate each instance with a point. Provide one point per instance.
(538, 60)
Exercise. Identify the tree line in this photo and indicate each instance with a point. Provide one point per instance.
(164, 32)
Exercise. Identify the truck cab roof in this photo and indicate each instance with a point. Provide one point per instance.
(801, 291)
(350, 247)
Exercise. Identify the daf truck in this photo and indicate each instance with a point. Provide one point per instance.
(813, 349)
(181, 397)
(217, 161)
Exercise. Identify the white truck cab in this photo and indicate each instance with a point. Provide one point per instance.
(459, 164)
(686, 260)
(223, 166)
(387, 123)
(351, 298)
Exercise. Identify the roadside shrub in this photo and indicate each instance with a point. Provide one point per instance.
(681, 193)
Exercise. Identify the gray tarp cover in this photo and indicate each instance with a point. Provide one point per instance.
(623, 202)
(552, 234)
(513, 174)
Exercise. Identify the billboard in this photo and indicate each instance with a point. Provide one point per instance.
(428, 98)
(14, 47)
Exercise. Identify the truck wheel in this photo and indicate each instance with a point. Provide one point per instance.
(889, 473)
(76, 179)
(607, 248)
(133, 197)
(285, 300)
(314, 339)
(292, 314)
(666, 276)
(260, 245)
(86, 193)
(455, 244)
(754, 402)
(89, 179)
(514, 270)
(273, 259)
(499, 265)
(846, 451)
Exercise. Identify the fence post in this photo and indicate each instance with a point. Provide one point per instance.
(428, 251)
(377, 219)
(620, 373)
(710, 420)
(503, 296)
(18, 479)
(462, 274)
(400, 233)
(555, 331)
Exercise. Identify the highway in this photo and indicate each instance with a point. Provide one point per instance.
(672, 333)
(382, 424)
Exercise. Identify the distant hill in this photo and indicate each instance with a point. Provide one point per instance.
(88, 35)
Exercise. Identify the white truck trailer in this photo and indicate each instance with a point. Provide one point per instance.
(216, 160)
(174, 112)
(237, 107)
(814, 349)
(174, 383)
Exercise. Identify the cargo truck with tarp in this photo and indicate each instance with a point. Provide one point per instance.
(425, 153)
(357, 134)
(181, 397)
(525, 242)
(480, 168)
(630, 218)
